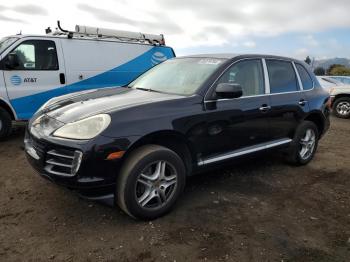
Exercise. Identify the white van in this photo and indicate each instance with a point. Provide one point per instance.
(36, 68)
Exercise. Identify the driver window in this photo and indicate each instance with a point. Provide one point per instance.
(36, 55)
(249, 74)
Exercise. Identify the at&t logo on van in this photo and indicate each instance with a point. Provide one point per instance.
(157, 58)
(16, 80)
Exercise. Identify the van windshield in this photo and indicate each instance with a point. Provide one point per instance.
(6, 42)
(182, 76)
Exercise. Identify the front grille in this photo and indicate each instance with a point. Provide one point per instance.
(60, 162)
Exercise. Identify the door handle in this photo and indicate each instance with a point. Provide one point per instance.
(264, 108)
(62, 79)
(302, 102)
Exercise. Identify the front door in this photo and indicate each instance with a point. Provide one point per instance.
(239, 123)
(34, 75)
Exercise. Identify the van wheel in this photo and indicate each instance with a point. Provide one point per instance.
(5, 124)
(303, 147)
(342, 107)
(150, 181)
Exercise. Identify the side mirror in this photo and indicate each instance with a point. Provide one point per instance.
(12, 61)
(226, 90)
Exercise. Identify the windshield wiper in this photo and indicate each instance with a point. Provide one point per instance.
(147, 89)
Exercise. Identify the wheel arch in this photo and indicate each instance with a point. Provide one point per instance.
(318, 120)
(338, 96)
(171, 139)
(5, 105)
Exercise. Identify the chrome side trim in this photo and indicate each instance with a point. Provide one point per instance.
(268, 80)
(245, 151)
(298, 77)
(266, 77)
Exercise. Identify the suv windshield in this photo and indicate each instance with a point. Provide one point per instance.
(181, 76)
(6, 42)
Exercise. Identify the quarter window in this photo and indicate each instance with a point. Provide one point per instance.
(305, 77)
(249, 74)
(36, 55)
(282, 76)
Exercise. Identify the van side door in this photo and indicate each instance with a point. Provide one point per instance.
(34, 73)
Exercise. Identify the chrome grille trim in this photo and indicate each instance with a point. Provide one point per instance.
(55, 163)
(60, 162)
(50, 170)
(55, 153)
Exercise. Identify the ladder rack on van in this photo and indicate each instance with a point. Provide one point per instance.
(103, 33)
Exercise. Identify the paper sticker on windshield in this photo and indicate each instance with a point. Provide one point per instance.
(209, 61)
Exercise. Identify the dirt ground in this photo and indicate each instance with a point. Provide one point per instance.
(259, 209)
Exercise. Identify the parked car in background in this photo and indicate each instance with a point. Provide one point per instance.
(344, 79)
(328, 82)
(34, 69)
(340, 96)
(136, 145)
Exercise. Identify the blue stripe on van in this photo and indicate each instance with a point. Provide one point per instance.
(26, 106)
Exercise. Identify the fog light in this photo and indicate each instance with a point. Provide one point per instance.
(76, 162)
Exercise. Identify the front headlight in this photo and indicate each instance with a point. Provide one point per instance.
(84, 129)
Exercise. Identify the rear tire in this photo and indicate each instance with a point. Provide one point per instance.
(5, 124)
(341, 107)
(150, 181)
(304, 145)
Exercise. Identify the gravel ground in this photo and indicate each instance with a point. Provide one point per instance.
(259, 209)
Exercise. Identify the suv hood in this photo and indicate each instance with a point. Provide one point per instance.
(81, 105)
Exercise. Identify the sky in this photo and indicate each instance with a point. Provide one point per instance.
(296, 28)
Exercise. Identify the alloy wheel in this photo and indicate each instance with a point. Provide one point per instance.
(156, 185)
(307, 143)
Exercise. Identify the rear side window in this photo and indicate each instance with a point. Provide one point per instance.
(282, 76)
(36, 55)
(305, 77)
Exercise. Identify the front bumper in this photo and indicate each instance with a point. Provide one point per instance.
(55, 159)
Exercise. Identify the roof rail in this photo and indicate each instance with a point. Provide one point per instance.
(82, 31)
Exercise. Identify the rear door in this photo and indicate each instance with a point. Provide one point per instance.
(37, 77)
(287, 100)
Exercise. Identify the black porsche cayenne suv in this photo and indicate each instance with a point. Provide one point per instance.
(135, 145)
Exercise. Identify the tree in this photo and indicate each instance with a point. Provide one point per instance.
(331, 67)
(319, 71)
(308, 60)
(340, 71)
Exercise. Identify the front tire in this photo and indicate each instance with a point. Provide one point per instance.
(150, 181)
(5, 124)
(341, 107)
(304, 145)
